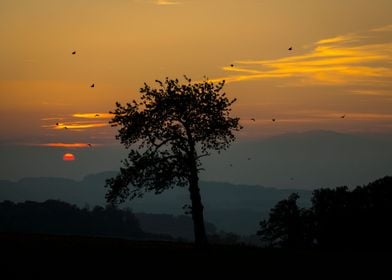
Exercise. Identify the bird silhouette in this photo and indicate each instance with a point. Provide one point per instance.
(230, 165)
(249, 158)
(74, 52)
(273, 120)
(97, 115)
(253, 119)
(231, 65)
(57, 123)
(290, 49)
(343, 116)
(93, 85)
(65, 127)
(89, 145)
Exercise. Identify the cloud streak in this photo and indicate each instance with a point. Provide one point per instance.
(341, 60)
(73, 123)
(78, 125)
(93, 115)
(66, 145)
(166, 3)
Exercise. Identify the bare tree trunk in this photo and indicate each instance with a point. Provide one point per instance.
(197, 212)
(194, 190)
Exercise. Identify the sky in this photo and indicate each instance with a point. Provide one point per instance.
(337, 77)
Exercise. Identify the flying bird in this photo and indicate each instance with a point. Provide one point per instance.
(92, 85)
(65, 127)
(273, 120)
(253, 119)
(57, 123)
(343, 116)
(231, 65)
(89, 145)
(249, 158)
(291, 48)
(97, 115)
(74, 52)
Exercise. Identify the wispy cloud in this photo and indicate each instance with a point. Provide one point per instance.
(93, 115)
(166, 2)
(52, 119)
(72, 122)
(67, 145)
(75, 125)
(316, 116)
(371, 92)
(341, 60)
(78, 125)
(339, 39)
(387, 28)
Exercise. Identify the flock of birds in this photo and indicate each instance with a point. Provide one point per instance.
(231, 65)
(274, 119)
(92, 85)
(96, 115)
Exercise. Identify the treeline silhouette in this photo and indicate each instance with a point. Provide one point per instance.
(339, 218)
(58, 217)
(61, 218)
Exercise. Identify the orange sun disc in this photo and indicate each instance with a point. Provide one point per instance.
(68, 157)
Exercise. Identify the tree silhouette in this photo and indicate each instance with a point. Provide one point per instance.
(287, 225)
(358, 219)
(167, 133)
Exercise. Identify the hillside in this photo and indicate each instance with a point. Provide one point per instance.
(232, 208)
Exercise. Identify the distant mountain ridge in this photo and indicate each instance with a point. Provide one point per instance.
(308, 160)
(236, 208)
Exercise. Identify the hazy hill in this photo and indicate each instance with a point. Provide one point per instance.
(235, 208)
(292, 161)
(306, 160)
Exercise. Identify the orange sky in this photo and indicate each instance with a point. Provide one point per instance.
(341, 62)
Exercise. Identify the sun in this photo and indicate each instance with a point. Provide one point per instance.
(68, 157)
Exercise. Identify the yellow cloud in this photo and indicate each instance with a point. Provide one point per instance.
(75, 125)
(67, 145)
(342, 60)
(166, 2)
(387, 28)
(337, 39)
(93, 115)
(371, 92)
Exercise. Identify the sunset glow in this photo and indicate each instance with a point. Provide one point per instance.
(309, 69)
(337, 66)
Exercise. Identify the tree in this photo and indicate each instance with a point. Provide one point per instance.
(167, 133)
(286, 225)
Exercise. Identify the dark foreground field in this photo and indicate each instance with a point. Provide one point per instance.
(33, 256)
